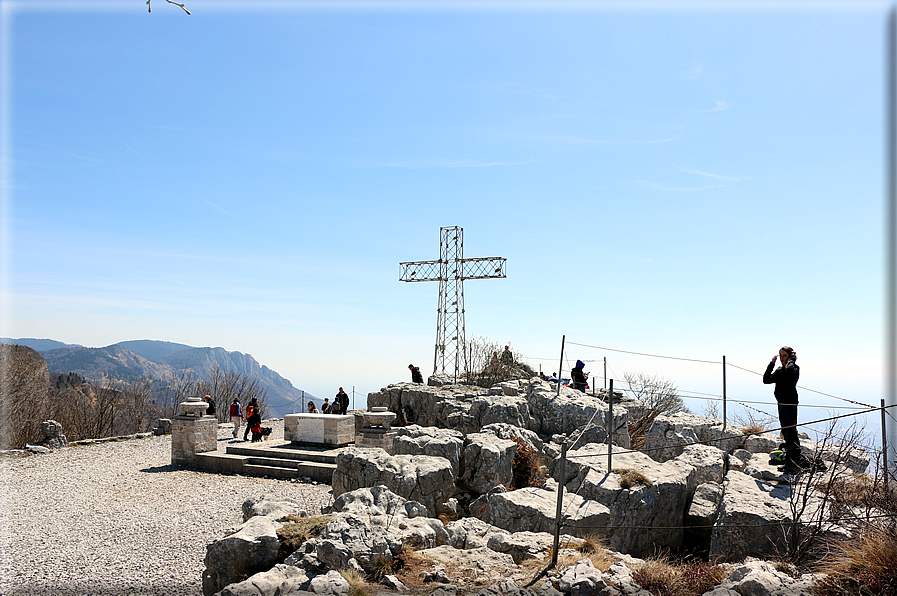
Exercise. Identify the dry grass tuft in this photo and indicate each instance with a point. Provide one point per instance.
(630, 478)
(754, 429)
(296, 531)
(867, 566)
(357, 584)
(663, 578)
(593, 543)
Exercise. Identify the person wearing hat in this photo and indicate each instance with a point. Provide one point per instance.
(416, 377)
(251, 410)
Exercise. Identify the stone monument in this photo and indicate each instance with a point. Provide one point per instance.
(376, 431)
(192, 432)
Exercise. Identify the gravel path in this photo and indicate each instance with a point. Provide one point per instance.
(117, 518)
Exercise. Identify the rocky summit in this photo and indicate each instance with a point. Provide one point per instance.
(469, 493)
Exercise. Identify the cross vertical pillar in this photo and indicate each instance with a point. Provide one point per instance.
(450, 355)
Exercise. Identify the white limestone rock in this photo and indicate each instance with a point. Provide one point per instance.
(533, 509)
(642, 518)
(422, 478)
(488, 462)
(429, 440)
(668, 435)
(230, 559)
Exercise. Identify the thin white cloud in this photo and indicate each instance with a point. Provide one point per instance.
(693, 71)
(458, 163)
(714, 176)
(217, 206)
(656, 186)
(134, 150)
(585, 141)
(519, 89)
(720, 106)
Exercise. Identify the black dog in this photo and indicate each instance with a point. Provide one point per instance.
(266, 432)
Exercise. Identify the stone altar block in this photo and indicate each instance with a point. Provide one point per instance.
(192, 432)
(321, 429)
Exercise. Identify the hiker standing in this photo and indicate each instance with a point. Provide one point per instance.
(251, 410)
(785, 378)
(342, 399)
(236, 416)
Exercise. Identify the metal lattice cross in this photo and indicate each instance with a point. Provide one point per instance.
(450, 271)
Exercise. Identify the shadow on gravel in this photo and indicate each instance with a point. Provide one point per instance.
(165, 468)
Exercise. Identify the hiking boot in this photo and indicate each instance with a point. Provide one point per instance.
(791, 469)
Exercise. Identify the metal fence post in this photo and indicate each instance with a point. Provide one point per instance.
(884, 442)
(557, 525)
(561, 365)
(724, 393)
(610, 426)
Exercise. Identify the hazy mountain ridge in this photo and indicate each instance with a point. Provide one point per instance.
(137, 359)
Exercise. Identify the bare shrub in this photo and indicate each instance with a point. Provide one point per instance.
(485, 364)
(660, 397)
(753, 421)
(24, 381)
(527, 466)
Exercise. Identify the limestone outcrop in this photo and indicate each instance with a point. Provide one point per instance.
(426, 479)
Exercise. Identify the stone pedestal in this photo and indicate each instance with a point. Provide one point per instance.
(376, 431)
(319, 429)
(192, 432)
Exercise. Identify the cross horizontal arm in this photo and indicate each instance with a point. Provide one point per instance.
(419, 271)
(477, 268)
(484, 268)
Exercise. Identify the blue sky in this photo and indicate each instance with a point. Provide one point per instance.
(701, 180)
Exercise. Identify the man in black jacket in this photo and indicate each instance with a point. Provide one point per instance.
(342, 399)
(785, 378)
(416, 377)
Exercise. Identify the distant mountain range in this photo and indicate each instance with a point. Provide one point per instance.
(146, 358)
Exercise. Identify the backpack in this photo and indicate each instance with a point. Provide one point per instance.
(250, 410)
(777, 457)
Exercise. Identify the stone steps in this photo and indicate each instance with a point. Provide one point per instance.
(274, 460)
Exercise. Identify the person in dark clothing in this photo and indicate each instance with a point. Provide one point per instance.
(580, 378)
(252, 408)
(254, 424)
(210, 411)
(416, 377)
(785, 378)
(342, 399)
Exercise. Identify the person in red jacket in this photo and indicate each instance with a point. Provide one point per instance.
(236, 416)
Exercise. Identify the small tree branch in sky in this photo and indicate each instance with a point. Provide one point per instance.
(150, 8)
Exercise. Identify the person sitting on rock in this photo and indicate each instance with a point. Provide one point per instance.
(580, 378)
